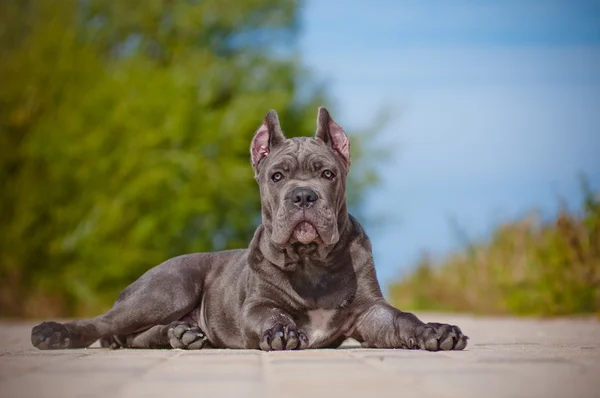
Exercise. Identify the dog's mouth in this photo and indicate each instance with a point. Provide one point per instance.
(304, 228)
(305, 233)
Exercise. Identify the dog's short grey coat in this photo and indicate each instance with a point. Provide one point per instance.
(307, 279)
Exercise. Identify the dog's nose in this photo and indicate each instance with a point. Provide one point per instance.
(303, 197)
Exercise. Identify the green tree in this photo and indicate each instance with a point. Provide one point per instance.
(124, 136)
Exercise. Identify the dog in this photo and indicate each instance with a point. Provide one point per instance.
(307, 279)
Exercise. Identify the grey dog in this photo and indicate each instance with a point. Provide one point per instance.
(306, 281)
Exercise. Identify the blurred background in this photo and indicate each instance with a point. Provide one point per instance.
(125, 128)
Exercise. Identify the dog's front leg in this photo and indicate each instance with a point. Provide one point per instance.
(270, 328)
(383, 326)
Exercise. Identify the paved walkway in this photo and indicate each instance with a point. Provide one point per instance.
(506, 357)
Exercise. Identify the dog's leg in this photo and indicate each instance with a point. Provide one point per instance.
(54, 335)
(178, 334)
(159, 298)
(120, 320)
(383, 326)
(271, 328)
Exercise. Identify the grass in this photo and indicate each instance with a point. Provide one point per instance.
(527, 267)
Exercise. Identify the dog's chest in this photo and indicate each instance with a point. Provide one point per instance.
(319, 325)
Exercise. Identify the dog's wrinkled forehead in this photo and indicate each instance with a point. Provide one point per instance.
(302, 154)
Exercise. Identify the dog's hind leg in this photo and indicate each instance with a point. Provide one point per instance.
(178, 334)
(163, 295)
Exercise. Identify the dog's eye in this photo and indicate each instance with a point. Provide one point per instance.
(277, 177)
(328, 174)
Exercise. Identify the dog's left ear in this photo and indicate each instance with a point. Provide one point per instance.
(332, 134)
(267, 137)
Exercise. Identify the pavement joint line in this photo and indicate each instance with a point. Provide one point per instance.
(267, 392)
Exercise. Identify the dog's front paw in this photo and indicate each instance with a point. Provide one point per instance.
(186, 336)
(50, 336)
(283, 337)
(439, 336)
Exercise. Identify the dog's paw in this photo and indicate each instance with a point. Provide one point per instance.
(439, 337)
(283, 337)
(186, 336)
(50, 336)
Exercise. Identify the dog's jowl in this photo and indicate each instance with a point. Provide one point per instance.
(306, 281)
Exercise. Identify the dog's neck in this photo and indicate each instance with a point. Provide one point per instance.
(290, 256)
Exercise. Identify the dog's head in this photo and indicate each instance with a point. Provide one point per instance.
(302, 181)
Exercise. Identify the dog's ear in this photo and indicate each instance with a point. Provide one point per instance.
(332, 134)
(267, 137)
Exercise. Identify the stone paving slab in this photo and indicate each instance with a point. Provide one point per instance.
(506, 357)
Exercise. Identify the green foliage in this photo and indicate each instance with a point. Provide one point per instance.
(528, 267)
(124, 136)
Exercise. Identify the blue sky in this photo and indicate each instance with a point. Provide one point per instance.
(495, 109)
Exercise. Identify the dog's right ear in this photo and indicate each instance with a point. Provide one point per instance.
(267, 137)
(332, 134)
